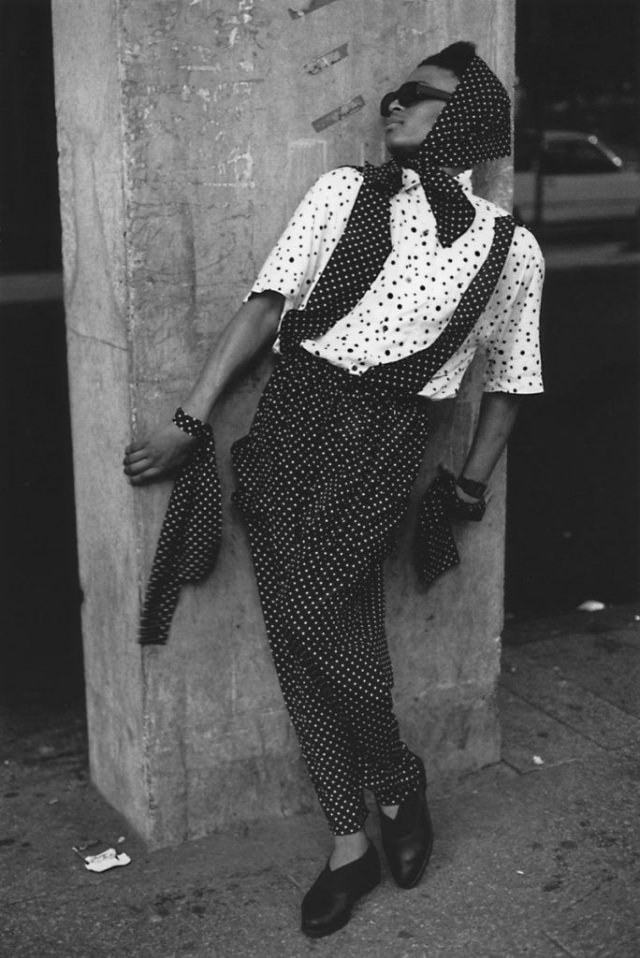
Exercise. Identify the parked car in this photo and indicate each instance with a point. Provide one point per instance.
(565, 176)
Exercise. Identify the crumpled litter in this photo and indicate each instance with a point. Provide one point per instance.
(109, 858)
(537, 760)
(591, 605)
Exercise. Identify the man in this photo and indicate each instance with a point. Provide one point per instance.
(387, 280)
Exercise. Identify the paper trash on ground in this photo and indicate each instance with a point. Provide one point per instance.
(591, 605)
(105, 860)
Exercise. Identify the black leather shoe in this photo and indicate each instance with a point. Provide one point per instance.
(407, 839)
(327, 905)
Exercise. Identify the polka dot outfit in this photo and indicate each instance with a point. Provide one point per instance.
(326, 470)
(323, 480)
(393, 279)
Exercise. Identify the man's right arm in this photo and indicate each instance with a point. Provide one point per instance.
(252, 328)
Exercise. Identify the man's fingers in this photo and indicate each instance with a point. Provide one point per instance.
(140, 477)
(135, 446)
(138, 466)
(136, 456)
(138, 480)
(155, 456)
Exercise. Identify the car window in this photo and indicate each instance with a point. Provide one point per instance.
(575, 156)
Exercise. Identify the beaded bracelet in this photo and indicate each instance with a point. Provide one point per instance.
(190, 425)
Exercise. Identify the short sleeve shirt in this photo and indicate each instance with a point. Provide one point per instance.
(419, 286)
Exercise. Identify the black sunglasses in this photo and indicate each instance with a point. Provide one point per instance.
(410, 93)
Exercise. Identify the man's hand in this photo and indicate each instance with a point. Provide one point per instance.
(157, 455)
(251, 329)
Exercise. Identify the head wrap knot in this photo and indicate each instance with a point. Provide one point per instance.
(474, 126)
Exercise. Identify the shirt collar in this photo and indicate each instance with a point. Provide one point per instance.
(464, 179)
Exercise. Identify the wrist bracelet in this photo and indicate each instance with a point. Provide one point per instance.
(189, 424)
(471, 487)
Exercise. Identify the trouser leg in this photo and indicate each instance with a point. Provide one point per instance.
(327, 744)
(324, 479)
(336, 679)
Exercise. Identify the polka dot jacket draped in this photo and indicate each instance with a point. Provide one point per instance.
(190, 535)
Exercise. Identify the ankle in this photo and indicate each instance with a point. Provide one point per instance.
(348, 848)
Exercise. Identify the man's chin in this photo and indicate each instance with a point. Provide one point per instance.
(400, 151)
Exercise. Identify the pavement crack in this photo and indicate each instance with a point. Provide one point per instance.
(514, 768)
(293, 881)
(558, 944)
(581, 898)
(579, 683)
(556, 718)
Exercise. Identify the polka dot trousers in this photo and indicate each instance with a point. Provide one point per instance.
(324, 477)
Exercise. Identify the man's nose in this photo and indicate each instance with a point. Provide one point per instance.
(390, 103)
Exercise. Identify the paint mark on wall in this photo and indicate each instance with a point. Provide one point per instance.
(203, 67)
(225, 27)
(302, 7)
(327, 60)
(340, 113)
(236, 170)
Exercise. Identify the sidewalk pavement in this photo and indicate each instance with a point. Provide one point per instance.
(537, 856)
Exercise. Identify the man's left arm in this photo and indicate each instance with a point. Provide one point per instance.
(498, 412)
(513, 361)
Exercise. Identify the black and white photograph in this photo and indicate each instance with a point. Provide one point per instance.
(320, 352)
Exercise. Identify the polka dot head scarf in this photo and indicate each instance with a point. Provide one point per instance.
(474, 126)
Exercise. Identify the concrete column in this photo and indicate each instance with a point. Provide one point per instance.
(188, 131)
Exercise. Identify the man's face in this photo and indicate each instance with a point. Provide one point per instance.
(407, 126)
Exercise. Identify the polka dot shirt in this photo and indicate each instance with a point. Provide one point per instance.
(421, 283)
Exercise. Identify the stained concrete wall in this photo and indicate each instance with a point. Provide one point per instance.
(188, 131)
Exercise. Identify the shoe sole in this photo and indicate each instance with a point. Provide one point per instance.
(323, 932)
